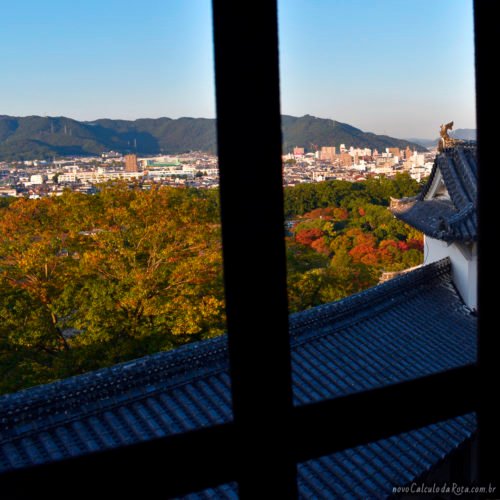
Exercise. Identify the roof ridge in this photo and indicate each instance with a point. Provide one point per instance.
(361, 301)
(87, 388)
(89, 409)
(452, 180)
(430, 180)
(464, 212)
(465, 171)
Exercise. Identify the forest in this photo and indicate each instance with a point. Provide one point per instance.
(87, 281)
(342, 238)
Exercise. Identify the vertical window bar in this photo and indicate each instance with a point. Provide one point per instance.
(249, 149)
(485, 29)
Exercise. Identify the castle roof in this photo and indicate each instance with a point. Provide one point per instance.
(411, 326)
(446, 208)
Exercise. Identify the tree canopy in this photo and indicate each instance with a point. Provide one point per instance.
(344, 238)
(87, 281)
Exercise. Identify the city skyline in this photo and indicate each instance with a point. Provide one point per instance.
(384, 67)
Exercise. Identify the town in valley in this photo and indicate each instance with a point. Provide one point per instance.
(41, 178)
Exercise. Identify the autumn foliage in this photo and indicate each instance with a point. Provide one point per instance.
(308, 236)
(353, 235)
(87, 281)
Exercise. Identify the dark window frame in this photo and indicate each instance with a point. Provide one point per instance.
(266, 424)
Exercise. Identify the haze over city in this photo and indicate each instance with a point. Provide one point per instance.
(395, 68)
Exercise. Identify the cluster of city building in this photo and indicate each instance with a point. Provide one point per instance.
(353, 164)
(40, 178)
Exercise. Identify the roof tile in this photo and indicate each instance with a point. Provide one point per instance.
(413, 325)
(453, 219)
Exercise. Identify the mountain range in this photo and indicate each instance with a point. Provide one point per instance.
(31, 137)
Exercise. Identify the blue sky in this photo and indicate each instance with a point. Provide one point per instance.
(400, 67)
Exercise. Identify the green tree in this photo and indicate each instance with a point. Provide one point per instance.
(87, 281)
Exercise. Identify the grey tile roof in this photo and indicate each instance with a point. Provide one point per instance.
(413, 325)
(453, 219)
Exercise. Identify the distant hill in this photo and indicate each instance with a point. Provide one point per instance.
(466, 134)
(426, 143)
(308, 130)
(36, 137)
(43, 137)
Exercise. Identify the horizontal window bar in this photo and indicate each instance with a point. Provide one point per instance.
(171, 466)
(201, 459)
(336, 424)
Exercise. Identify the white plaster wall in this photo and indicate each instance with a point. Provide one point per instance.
(463, 264)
